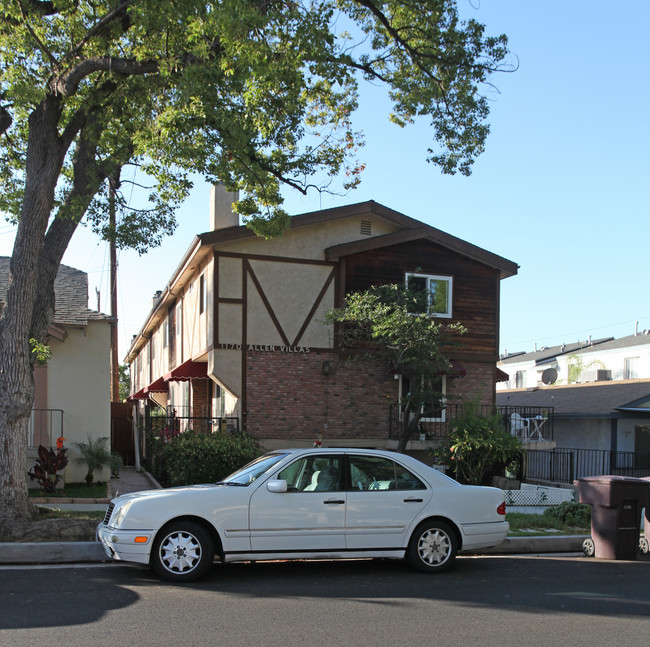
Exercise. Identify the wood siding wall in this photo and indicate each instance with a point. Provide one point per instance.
(475, 299)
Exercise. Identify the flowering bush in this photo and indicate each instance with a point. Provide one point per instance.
(168, 433)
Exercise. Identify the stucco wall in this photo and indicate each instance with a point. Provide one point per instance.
(79, 384)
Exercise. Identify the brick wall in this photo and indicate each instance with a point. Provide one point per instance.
(200, 405)
(288, 397)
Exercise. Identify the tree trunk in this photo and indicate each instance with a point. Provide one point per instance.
(43, 164)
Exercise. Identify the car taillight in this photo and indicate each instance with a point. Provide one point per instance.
(502, 508)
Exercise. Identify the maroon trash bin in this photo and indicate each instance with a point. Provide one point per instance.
(616, 504)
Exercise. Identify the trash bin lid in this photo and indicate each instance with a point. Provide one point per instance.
(610, 490)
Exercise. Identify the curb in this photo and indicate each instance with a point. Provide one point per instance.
(67, 552)
(523, 545)
(54, 552)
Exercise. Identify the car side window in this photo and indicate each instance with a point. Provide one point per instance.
(375, 473)
(313, 474)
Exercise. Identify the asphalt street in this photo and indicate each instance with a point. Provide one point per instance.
(487, 600)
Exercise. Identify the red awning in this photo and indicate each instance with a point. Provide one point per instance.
(502, 376)
(138, 395)
(159, 386)
(188, 371)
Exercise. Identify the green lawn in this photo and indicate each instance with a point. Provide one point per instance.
(526, 525)
(75, 491)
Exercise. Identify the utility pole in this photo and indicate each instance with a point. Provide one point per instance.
(113, 183)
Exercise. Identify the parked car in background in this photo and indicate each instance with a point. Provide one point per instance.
(307, 504)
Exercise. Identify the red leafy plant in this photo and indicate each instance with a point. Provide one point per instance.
(48, 463)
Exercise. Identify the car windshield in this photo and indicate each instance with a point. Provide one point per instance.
(247, 474)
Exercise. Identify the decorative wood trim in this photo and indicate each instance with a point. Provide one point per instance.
(318, 301)
(265, 301)
(244, 344)
(215, 299)
(275, 259)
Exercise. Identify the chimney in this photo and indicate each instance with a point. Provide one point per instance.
(221, 213)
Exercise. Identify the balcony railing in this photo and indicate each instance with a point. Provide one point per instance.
(173, 425)
(536, 421)
(45, 426)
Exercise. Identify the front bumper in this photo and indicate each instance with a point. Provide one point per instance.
(125, 545)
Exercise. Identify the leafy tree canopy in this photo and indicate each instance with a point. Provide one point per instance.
(255, 94)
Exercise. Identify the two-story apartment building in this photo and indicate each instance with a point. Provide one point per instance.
(239, 332)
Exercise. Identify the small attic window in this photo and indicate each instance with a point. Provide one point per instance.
(366, 228)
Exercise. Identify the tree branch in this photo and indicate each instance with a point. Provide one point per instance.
(115, 14)
(68, 84)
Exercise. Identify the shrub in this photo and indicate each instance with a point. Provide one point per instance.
(570, 514)
(477, 447)
(96, 455)
(196, 457)
(48, 463)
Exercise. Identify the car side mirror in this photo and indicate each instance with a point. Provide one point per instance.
(277, 485)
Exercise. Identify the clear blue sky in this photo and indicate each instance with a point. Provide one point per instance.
(562, 189)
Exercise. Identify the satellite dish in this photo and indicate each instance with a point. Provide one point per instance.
(549, 376)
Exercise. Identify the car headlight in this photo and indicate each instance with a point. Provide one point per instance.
(119, 514)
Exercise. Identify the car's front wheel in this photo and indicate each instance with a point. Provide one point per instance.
(182, 552)
(432, 548)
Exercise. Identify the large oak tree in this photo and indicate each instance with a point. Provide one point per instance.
(255, 93)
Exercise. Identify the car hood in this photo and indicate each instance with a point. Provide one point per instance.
(164, 493)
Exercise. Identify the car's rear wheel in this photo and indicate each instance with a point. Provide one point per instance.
(432, 548)
(182, 552)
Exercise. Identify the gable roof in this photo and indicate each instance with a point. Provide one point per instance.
(70, 292)
(591, 400)
(411, 230)
(549, 353)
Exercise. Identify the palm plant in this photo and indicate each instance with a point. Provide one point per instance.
(95, 454)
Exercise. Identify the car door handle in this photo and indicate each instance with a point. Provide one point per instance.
(412, 500)
(334, 501)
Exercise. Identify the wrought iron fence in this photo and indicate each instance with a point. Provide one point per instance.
(45, 426)
(173, 425)
(562, 465)
(438, 428)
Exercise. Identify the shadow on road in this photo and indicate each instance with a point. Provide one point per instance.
(538, 585)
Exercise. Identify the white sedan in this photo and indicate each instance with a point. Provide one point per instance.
(307, 504)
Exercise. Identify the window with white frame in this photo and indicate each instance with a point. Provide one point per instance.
(436, 291)
(631, 368)
(440, 385)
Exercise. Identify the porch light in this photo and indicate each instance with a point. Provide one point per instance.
(326, 368)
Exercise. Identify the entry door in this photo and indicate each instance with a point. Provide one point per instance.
(310, 516)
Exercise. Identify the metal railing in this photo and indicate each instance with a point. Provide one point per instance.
(567, 465)
(45, 426)
(170, 426)
(434, 429)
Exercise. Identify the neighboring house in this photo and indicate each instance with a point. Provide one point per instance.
(238, 333)
(72, 391)
(606, 423)
(582, 362)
